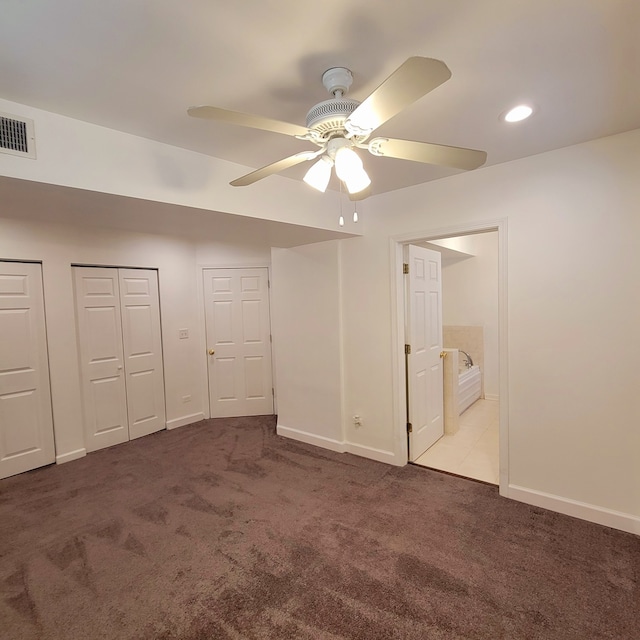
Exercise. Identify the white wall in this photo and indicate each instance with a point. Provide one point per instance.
(312, 372)
(307, 335)
(470, 298)
(573, 315)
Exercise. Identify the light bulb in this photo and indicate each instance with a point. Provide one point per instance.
(521, 112)
(319, 174)
(347, 163)
(355, 216)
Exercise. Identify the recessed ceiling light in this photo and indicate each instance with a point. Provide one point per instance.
(521, 112)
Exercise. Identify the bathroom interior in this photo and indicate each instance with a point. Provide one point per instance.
(469, 446)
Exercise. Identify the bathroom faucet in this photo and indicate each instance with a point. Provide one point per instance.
(468, 362)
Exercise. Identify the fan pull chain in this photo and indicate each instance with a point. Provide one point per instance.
(355, 211)
(341, 218)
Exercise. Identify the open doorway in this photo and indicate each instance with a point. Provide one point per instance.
(469, 255)
(469, 445)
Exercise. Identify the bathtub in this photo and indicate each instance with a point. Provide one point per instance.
(469, 387)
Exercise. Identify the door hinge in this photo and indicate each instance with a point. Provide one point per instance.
(270, 338)
(273, 392)
(407, 349)
(405, 268)
(268, 284)
(409, 427)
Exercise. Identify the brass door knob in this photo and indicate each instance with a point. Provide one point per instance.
(443, 354)
(211, 352)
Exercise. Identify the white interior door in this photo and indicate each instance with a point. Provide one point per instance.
(238, 329)
(424, 364)
(102, 358)
(121, 354)
(140, 310)
(26, 424)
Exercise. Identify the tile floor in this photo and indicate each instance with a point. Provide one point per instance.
(473, 451)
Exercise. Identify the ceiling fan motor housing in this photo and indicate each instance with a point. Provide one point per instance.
(329, 116)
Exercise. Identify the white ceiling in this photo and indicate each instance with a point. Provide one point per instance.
(136, 65)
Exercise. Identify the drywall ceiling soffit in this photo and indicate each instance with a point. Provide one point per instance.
(46, 203)
(136, 66)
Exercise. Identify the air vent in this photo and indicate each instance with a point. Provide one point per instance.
(17, 136)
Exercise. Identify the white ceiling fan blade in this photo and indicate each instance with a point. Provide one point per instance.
(409, 82)
(247, 120)
(456, 157)
(275, 167)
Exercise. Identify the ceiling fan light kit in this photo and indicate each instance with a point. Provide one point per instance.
(319, 174)
(340, 125)
(350, 170)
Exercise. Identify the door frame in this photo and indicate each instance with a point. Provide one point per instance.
(396, 245)
(204, 361)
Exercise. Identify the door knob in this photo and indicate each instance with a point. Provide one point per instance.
(443, 354)
(211, 352)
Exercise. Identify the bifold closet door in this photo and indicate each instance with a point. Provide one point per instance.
(121, 354)
(26, 424)
(102, 357)
(140, 310)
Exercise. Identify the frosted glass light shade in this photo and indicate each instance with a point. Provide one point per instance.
(350, 170)
(358, 181)
(347, 163)
(319, 174)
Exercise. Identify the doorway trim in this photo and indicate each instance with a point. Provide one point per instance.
(396, 244)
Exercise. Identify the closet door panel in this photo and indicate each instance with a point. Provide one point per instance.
(140, 305)
(26, 424)
(101, 355)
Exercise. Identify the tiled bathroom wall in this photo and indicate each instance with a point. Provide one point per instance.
(469, 339)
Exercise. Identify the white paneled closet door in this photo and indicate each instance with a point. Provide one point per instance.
(26, 424)
(121, 354)
(140, 309)
(238, 330)
(102, 358)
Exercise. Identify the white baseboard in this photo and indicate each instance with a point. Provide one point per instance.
(310, 438)
(373, 454)
(607, 517)
(185, 420)
(335, 445)
(492, 396)
(72, 455)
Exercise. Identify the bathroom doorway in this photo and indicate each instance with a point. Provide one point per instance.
(469, 446)
(474, 336)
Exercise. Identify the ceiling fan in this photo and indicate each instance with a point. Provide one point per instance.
(340, 125)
